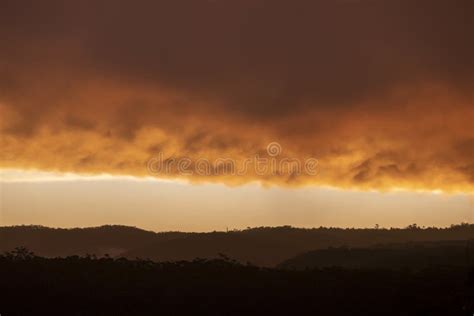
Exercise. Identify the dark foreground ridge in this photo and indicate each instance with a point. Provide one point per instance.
(76, 285)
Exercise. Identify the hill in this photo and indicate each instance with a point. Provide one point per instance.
(417, 255)
(263, 246)
(267, 246)
(59, 242)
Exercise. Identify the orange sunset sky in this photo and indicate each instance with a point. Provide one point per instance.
(380, 94)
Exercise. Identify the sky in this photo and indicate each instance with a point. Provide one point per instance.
(243, 101)
(164, 205)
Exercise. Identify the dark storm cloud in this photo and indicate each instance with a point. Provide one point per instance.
(333, 78)
(259, 56)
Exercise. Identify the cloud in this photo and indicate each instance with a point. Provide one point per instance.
(380, 92)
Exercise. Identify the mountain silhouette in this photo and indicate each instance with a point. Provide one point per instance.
(411, 255)
(262, 246)
(58, 242)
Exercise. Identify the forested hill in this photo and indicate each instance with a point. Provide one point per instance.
(265, 246)
(413, 255)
